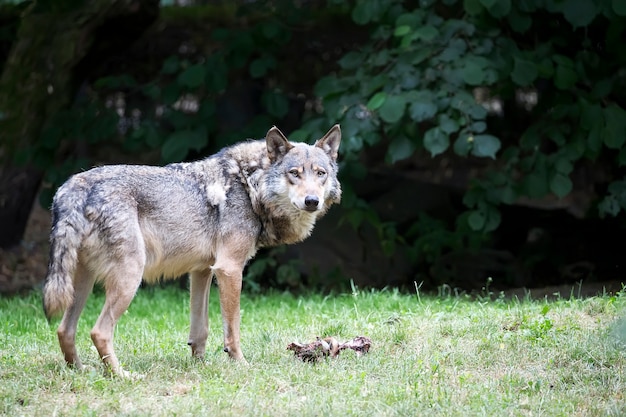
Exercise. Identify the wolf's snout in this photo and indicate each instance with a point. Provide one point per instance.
(311, 202)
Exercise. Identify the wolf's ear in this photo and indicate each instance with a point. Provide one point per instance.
(330, 142)
(277, 144)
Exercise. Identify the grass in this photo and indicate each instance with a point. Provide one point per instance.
(445, 355)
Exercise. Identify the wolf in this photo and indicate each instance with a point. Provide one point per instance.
(121, 224)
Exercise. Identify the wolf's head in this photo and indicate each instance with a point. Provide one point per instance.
(307, 174)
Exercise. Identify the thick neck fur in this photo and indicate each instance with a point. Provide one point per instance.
(247, 163)
(282, 226)
(281, 222)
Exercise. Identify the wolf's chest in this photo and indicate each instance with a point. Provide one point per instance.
(285, 230)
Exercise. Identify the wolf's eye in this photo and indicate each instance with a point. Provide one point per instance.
(294, 173)
(321, 173)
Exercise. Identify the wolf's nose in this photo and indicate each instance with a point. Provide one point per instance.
(311, 202)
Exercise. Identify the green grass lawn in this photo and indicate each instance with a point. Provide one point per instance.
(446, 355)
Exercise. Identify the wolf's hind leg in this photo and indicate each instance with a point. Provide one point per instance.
(200, 286)
(83, 284)
(121, 284)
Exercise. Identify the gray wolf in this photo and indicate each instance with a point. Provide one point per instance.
(120, 224)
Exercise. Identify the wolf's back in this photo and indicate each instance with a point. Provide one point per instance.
(69, 227)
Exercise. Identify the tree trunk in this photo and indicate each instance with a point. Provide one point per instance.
(40, 78)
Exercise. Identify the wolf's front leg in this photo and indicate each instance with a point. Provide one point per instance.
(200, 286)
(229, 280)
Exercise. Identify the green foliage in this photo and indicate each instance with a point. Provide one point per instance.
(178, 105)
(434, 78)
(426, 78)
(270, 271)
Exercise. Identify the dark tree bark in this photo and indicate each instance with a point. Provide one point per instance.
(41, 76)
(18, 188)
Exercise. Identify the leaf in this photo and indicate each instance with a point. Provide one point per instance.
(493, 219)
(380, 58)
(621, 158)
(271, 29)
(436, 141)
(400, 148)
(402, 30)
(485, 219)
(455, 49)
(524, 72)
(377, 100)
(171, 93)
(328, 85)
(563, 166)
(609, 205)
(519, 22)
(206, 110)
(257, 68)
(618, 189)
(565, 76)
(198, 138)
(392, 109)
(476, 111)
(500, 9)
(260, 66)
(175, 147)
(485, 146)
(462, 100)
(477, 220)
(561, 185)
(602, 88)
(217, 76)
(508, 195)
(410, 19)
(409, 81)
(170, 65)
(422, 109)
(579, 13)
(472, 72)
(370, 84)
(447, 124)
(594, 140)
(619, 7)
(536, 185)
(478, 127)
(426, 33)
(152, 91)
(153, 137)
(362, 12)
(615, 126)
(192, 77)
(463, 144)
(472, 7)
(590, 114)
(276, 103)
(351, 60)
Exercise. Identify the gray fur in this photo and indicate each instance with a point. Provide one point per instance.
(123, 223)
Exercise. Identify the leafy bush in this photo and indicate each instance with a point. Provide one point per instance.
(535, 87)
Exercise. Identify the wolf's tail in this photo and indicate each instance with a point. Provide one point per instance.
(69, 227)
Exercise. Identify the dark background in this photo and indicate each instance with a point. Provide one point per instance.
(483, 142)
